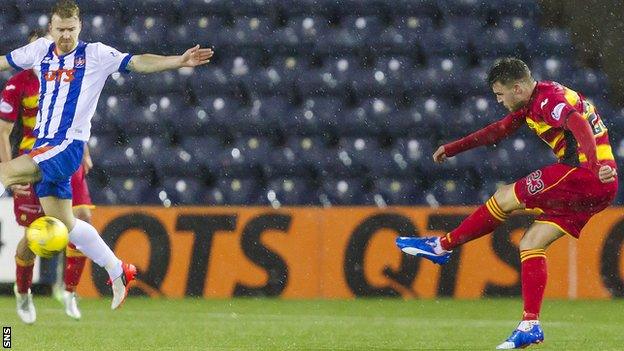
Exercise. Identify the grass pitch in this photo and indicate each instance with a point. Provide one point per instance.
(271, 324)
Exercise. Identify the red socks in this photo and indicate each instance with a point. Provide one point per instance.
(74, 264)
(483, 221)
(534, 275)
(23, 274)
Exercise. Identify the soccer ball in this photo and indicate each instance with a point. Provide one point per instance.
(47, 236)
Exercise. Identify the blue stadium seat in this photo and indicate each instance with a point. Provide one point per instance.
(476, 112)
(589, 82)
(344, 192)
(101, 144)
(102, 125)
(521, 8)
(145, 34)
(450, 192)
(162, 83)
(205, 149)
(399, 192)
(352, 34)
(148, 147)
(221, 7)
(101, 28)
(442, 75)
(212, 117)
(233, 191)
(292, 8)
(246, 31)
(426, 8)
(553, 42)
(268, 82)
(452, 39)
(476, 9)
(290, 192)
(359, 149)
(360, 120)
(194, 30)
(211, 80)
(434, 110)
(121, 161)
(35, 20)
(176, 161)
(260, 118)
(315, 117)
(413, 154)
(121, 191)
(309, 153)
(245, 157)
(166, 8)
(386, 79)
(405, 122)
(309, 28)
(120, 84)
(182, 190)
(551, 68)
(37, 6)
(509, 36)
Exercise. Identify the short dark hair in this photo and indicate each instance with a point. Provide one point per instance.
(507, 70)
(37, 33)
(65, 9)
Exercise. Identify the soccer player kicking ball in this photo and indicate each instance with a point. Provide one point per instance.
(566, 194)
(19, 103)
(72, 74)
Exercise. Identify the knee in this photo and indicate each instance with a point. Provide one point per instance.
(23, 252)
(506, 198)
(84, 214)
(530, 242)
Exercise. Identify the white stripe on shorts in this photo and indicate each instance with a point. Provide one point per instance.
(55, 150)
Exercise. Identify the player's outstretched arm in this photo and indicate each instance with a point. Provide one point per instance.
(149, 63)
(489, 135)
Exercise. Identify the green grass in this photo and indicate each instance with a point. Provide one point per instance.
(271, 324)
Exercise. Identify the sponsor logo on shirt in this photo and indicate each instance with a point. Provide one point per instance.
(5, 107)
(556, 112)
(66, 75)
(10, 87)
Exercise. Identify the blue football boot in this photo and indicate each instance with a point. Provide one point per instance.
(527, 333)
(422, 247)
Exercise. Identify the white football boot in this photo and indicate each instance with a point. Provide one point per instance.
(71, 305)
(121, 284)
(25, 307)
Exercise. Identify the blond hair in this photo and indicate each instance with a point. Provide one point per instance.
(66, 9)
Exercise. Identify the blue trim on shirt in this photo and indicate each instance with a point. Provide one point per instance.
(69, 110)
(12, 63)
(123, 66)
(45, 67)
(55, 92)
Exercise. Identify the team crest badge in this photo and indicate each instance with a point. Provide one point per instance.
(79, 62)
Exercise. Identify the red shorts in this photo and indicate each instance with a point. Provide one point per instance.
(566, 196)
(27, 208)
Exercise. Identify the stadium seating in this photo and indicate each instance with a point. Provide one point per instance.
(313, 102)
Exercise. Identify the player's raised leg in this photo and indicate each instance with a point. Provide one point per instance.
(86, 239)
(533, 279)
(24, 263)
(481, 222)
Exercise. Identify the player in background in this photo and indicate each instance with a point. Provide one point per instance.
(566, 194)
(18, 107)
(72, 74)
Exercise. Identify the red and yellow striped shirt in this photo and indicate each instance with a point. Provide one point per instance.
(20, 102)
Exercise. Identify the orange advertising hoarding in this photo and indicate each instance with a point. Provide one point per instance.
(344, 252)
